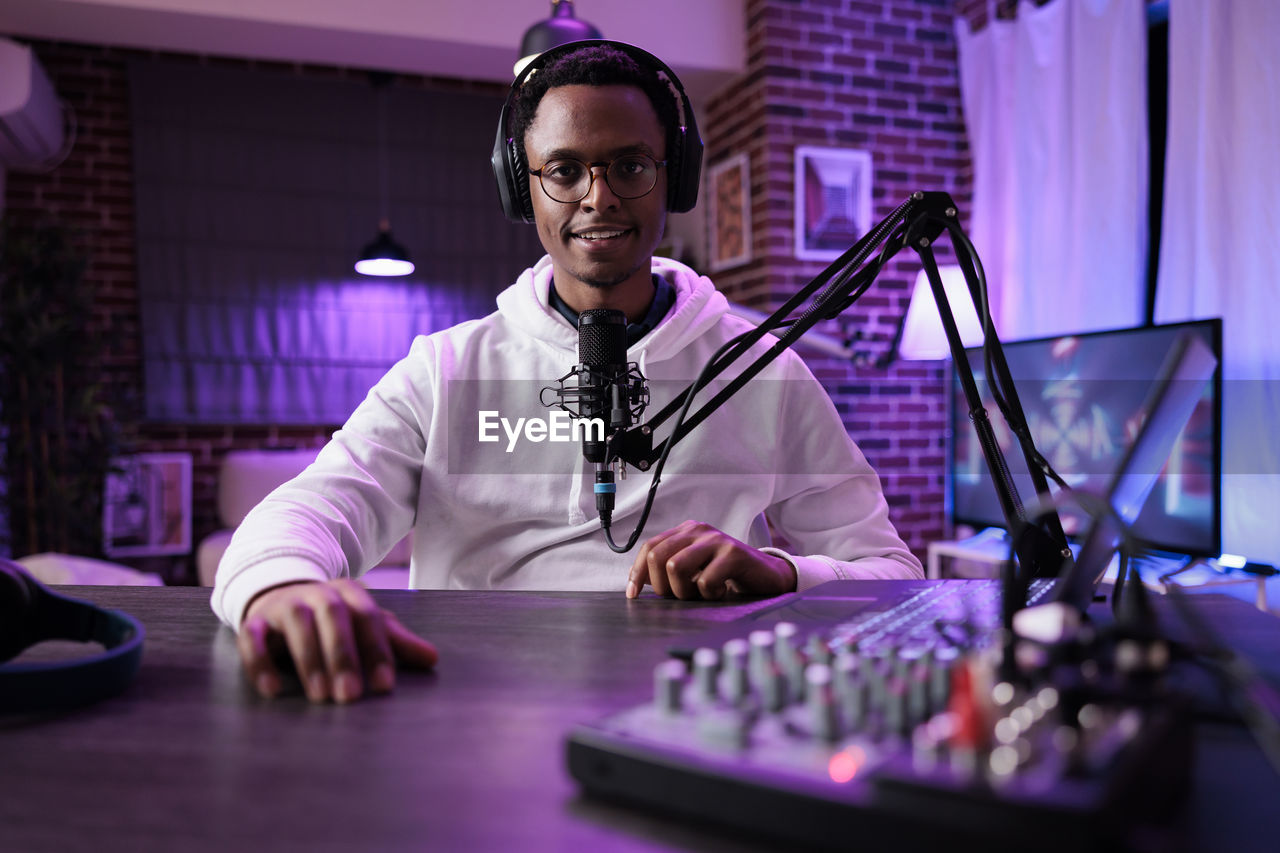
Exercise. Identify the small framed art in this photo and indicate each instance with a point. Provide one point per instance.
(147, 506)
(833, 200)
(730, 185)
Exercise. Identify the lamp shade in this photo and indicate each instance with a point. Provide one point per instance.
(922, 335)
(384, 256)
(561, 28)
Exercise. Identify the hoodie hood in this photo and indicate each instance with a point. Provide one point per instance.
(698, 308)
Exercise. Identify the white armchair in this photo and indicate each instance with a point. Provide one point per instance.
(244, 479)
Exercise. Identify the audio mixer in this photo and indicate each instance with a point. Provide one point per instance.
(904, 724)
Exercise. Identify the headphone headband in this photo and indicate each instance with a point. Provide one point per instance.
(511, 170)
(30, 614)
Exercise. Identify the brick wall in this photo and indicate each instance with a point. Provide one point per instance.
(92, 191)
(881, 77)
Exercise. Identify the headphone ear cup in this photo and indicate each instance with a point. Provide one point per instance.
(687, 173)
(17, 600)
(520, 182)
(675, 175)
(508, 188)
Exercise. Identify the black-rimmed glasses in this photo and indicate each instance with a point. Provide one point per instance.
(569, 181)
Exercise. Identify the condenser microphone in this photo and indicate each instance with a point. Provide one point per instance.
(602, 387)
(602, 376)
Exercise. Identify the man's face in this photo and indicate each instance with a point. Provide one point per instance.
(602, 241)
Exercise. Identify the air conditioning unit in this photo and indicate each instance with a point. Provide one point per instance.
(31, 127)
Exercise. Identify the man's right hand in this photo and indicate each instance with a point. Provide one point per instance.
(341, 642)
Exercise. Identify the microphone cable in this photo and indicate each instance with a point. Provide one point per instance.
(699, 382)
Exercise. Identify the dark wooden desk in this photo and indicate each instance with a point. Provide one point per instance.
(467, 758)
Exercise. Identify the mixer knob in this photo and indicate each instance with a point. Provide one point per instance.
(918, 708)
(772, 686)
(733, 675)
(668, 684)
(787, 654)
(820, 701)
(817, 650)
(761, 655)
(940, 663)
(706, 667)
(875, 671)
(851, 691)
(844, 672)
(895, 707)
(786, 632)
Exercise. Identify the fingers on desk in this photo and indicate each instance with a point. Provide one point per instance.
(256, 657)
(340, 641)
(299, 629)
(692, 560)
(340, 666)
(374, 647)
(409, 648)
(650, 565)
(696, 560)
(688, 563)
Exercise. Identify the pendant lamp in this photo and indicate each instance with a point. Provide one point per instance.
(561, 28)
(383, 256)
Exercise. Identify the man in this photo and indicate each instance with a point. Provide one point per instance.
(596, 126)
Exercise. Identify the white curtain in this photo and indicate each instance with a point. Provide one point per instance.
(1055, 103)
(1220, 244)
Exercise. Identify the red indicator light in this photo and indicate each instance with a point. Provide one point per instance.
(844, 765)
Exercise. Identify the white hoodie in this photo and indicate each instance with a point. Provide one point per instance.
(520, 514)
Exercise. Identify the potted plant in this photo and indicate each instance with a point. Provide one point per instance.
(57, 433)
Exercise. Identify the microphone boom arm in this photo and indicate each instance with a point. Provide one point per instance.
(916, 223)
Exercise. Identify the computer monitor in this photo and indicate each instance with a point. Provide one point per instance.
(1188, 368)
(1084, 396)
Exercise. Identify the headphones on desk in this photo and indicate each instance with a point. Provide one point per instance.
(30, 614)
(511, 170)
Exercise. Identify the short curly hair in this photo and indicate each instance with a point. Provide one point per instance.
(597, 65)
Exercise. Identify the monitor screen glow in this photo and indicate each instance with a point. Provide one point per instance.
(1083, 396)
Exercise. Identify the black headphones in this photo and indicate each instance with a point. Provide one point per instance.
(512, 171)
(29, 614)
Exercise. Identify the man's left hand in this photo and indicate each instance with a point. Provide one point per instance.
(695, 560)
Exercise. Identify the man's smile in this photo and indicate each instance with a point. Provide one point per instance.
(601, 237)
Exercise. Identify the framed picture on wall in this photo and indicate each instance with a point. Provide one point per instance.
(730, 230)
(833, 200)
(147, 505)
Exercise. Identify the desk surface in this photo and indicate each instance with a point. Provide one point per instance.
(467, 758)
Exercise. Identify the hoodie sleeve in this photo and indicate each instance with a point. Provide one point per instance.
(348, 508)
(829, 504)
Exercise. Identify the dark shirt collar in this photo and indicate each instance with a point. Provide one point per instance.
(664, 296)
